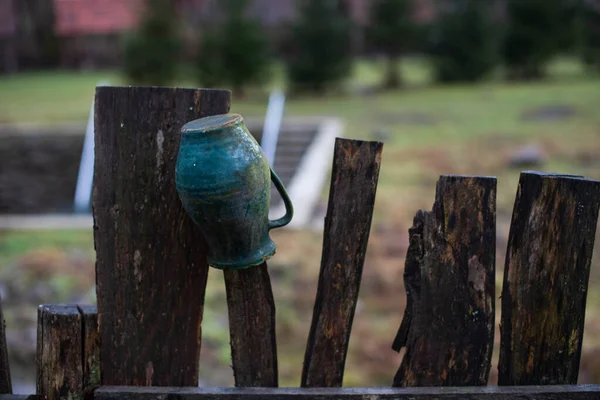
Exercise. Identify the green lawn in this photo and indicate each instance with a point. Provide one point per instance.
(428, 130)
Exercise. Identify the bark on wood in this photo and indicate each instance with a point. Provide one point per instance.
(347, 225)
(579, 392)
(5, 381)
(151, 262)
(546, 279)
(91, 350)
(252, 326)
(448, 327)
(59, 352)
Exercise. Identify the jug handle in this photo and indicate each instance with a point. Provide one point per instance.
(289, 208)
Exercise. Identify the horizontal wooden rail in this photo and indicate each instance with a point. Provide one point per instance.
(563, 392)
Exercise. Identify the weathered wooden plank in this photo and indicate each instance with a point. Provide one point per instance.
(546, 278)
(579, 392)
(5, 381)
(91, 350)
(347, 226)
(59, 352)
(151, 262)
(21, 397)
(448, 328)
(251, 310)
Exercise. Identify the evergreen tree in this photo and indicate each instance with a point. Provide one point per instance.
(151, 53)
(392, 31)
(236, 53)
(463, 43)
(210, 66)
(590, 19)
(534, 35)
(320, 42)
(568, 34)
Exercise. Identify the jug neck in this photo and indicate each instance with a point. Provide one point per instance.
(215, 125)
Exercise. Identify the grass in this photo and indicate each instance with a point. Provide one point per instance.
(428, 130)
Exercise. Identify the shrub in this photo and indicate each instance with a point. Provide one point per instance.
(210, 66)
(534, 35)
(463, 43)
(236, 52)
(590, 14)
(392, 31)
(321, 49)
(151, 53)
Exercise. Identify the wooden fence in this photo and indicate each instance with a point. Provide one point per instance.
(143, 340)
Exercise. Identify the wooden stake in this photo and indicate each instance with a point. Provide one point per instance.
(546, 279)
(448, 326)
(151, 264)
(91, 350)
(5, 381)
(252, 326)
(347, 225)
(59, 352)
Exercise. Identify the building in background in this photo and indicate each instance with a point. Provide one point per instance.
(90, 31)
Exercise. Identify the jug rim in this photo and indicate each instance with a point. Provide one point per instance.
(212, 123)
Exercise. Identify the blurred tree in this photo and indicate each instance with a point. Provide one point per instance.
(392, 30)
(210, 67)
(535, 33)
(568, 39)
(590, 20)
(463, 43)
(321, 46)
(236, 52)
(151, 53)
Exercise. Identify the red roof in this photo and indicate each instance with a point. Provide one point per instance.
(86, 17)
(7, 18)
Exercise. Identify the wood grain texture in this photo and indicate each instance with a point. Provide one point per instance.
(579, 392)
(5, 380)
(59, 352)
(448, 327)
(151, 260)
(251, 310)
(91, 350)
(347, 226)
(546, 275)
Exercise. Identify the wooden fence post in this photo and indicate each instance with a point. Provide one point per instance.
(347, 226)
(151, 267)
(67, 352)
(91, 350)
(5, 381)
(448, 325)
(546, 278)
(251, 310)
(59, 352)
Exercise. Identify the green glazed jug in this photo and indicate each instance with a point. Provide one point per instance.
(224, 182)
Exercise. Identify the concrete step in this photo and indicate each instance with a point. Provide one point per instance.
(285, 170)
(290, 151)
(300, 138)
(287, 162)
